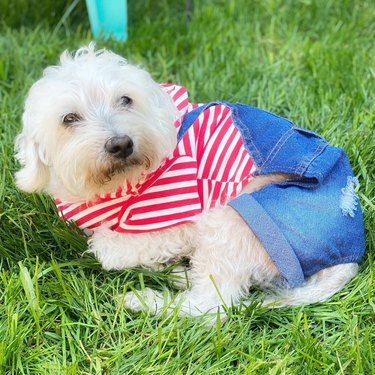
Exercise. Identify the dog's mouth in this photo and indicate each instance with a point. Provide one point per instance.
(125, 167)
(119, 171)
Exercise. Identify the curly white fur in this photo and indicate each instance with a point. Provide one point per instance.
(69, 161)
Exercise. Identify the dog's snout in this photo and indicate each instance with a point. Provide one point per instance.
(119, 147)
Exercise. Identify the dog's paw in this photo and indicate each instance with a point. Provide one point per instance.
(145, 300)
(186, 304)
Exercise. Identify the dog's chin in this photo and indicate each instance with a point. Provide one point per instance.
(114, 174)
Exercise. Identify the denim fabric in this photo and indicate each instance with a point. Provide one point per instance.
(305, 224)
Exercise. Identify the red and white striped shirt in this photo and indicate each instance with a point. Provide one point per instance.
(208, 167)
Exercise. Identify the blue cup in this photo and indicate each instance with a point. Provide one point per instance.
(108, 18)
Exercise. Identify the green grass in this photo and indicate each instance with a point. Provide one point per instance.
(312, 61)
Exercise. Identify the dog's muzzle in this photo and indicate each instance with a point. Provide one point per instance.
(119, 147)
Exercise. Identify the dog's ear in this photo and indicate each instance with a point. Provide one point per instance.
(34, 173)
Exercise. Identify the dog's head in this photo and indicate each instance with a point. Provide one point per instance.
(92, 124)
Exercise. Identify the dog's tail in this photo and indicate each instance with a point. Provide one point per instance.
(317, 288)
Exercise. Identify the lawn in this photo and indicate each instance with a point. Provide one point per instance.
(310, 61)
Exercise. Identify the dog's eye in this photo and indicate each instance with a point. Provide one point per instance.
(126, 101)
(71, 118)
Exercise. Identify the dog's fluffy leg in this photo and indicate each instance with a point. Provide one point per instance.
(227, 260)
(317, 288)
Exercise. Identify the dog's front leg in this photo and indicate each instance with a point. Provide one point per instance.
(227, 260)
(124, 250)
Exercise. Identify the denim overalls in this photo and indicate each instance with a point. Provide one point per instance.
(306, 224)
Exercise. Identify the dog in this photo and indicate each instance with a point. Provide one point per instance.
(278, 209)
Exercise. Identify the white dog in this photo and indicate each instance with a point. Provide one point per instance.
(95, 128)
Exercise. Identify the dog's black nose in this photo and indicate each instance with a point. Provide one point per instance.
(119, 147)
